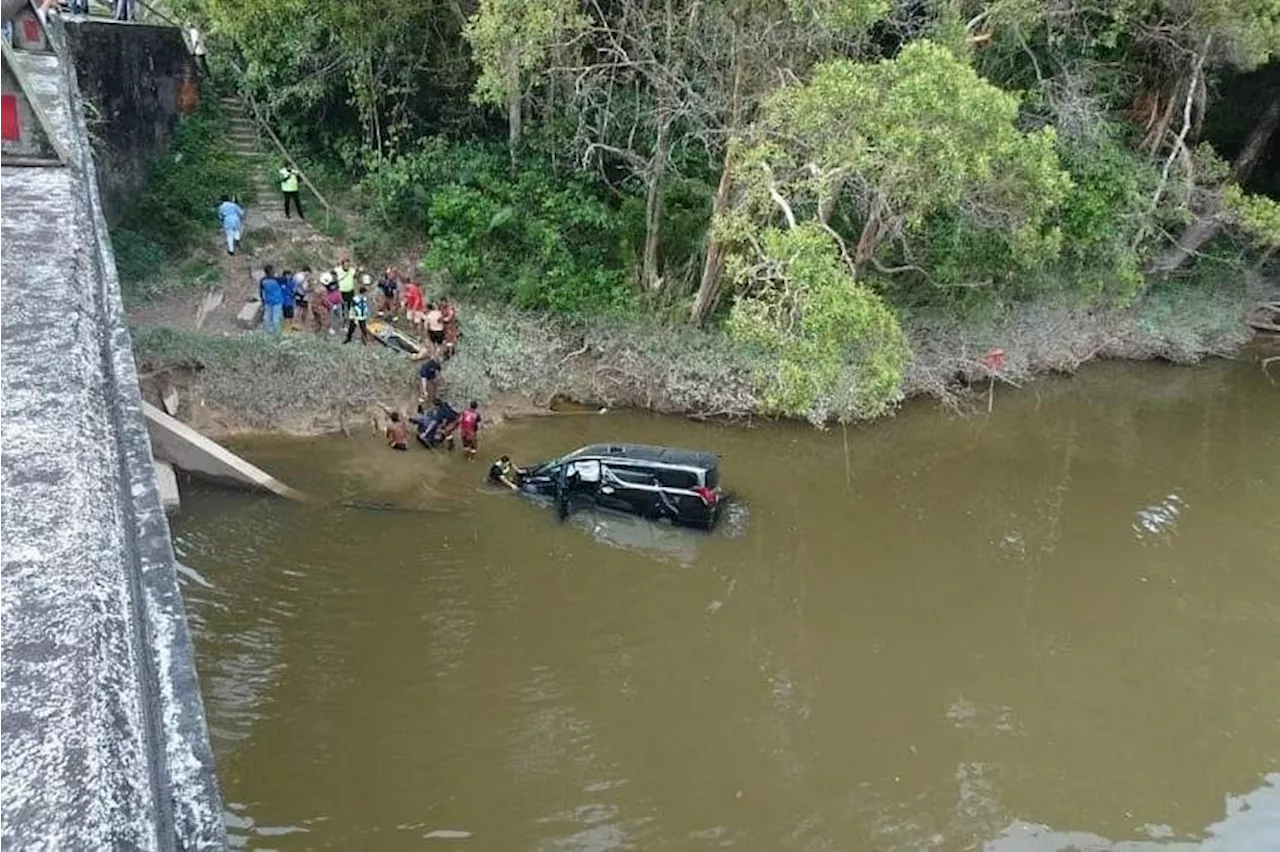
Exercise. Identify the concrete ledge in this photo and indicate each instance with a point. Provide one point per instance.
(167, 482)
(188, 450)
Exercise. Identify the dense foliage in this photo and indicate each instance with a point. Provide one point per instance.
(177, 205)
(803, 173)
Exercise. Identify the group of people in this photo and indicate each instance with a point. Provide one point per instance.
(439, 425)
(435, 426)
(347, 296)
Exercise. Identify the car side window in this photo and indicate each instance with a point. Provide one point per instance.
(586, 471)
(686, 480)
(630, 475)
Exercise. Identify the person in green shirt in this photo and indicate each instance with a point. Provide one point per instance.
(346, 277)
(289, 186)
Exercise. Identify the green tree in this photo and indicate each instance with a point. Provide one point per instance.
(511, 40)
(885, 145)
(837, 350)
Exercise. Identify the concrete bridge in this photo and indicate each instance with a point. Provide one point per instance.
(104, 743)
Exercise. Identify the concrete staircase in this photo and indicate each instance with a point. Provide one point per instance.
(247, 141)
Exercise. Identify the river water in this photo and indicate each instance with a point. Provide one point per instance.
(1051, 627)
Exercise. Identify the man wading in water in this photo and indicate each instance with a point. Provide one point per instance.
(396, 438)
(503, 472)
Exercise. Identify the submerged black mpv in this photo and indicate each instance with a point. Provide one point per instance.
(681, 486)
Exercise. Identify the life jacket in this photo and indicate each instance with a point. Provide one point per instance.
(470, 420)
(360, 308)
(346, 279)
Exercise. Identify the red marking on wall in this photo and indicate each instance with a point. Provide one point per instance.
(188, 96)
(30, 29)
(10, 128)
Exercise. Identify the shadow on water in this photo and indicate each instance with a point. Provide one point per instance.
(658, 539)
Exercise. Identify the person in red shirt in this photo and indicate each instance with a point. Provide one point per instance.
(414, 308)
(469, 426)
(333, 304)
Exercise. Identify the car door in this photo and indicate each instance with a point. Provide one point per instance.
(582, 481)
(629, 487)
(543, 480)
(677, 493)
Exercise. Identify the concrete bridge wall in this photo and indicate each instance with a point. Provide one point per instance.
(104, 743)
(136, 80)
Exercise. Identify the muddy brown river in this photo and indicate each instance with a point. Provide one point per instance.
(1053, 627)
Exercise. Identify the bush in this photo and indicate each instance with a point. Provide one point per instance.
(139, 260)
(532, 237)
(176, 208)
(268, 380)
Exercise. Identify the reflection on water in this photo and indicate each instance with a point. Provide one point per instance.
(1159, 520)
(1252, 821)
(1048, 629)
(658, 540)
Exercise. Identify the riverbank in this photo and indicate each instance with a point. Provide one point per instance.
(516, 364)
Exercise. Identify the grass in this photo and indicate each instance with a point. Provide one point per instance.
(273, 382)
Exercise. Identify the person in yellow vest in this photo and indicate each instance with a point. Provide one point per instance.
(346, 277)
(289, 186)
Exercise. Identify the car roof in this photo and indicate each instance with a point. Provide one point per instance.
(647, 452)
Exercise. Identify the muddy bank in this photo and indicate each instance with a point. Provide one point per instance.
(521, 365)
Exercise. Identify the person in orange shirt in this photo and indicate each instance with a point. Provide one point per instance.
(449, 315)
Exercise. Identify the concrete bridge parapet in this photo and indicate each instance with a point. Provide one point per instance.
(104, 743)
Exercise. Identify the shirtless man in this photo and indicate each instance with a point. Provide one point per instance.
(396, 438)
(435, 328)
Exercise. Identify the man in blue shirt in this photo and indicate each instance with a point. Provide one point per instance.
(272, 300)
(232, 217)
(286, 286)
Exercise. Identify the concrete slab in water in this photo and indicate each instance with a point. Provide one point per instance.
(167, 482)
(179, 444)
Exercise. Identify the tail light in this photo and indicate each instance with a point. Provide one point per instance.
(709, 496)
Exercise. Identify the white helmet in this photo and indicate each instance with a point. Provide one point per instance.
(366, 279)
(326, 279)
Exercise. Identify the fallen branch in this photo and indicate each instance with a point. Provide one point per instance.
(1180, 143)
(574, 354)
(1266, 367)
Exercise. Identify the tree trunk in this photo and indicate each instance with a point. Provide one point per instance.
(649, 273)
(515, 113)
(713, 264)
(869, 239)
(1209, 222)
